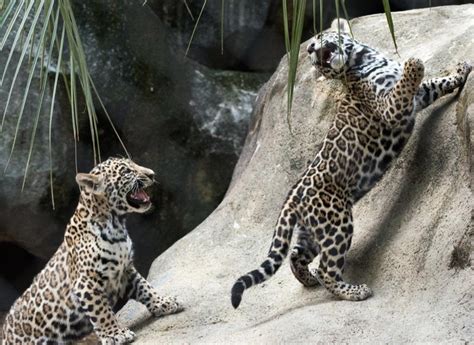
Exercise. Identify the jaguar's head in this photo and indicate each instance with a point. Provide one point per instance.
(330, 51)
(120, 183)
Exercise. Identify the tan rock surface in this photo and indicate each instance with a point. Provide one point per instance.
(409, 230)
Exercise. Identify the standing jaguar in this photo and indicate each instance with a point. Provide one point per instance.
(92, 269)
(374, 120)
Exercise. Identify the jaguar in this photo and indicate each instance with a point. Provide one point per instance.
(374, 120)
(92, 269)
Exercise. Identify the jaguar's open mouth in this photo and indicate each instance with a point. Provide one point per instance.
(323, 55)
(138, 198)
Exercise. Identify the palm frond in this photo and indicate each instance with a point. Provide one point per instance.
(222, 25)
(28, 83)
(188, 9)
(50, 145)
(195, 27)
(388, 15)
(344, 9)
(43, 87)
(292, 42)
(30, 28)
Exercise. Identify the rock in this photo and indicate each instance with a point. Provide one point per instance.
(9, 295)
(27, 218)
(250, 42)
(402, 5)
(410, 230)
(253, 35)
(30, 230)
(184, 120)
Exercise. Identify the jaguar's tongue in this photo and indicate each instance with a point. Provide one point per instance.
(141, 196)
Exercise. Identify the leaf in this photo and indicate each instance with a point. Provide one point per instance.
(388, 15)
(11, 24)
(195, 27)
(344, 9)
(293, 42)
(222, 26)
(43, 87)
(38, 41)
(53, 97)
(18, 67)
(285, 28)
(15, 41)
(4, 16)
(188, 9)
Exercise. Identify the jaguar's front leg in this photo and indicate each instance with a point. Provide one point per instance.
(399, 104)
(430, 90)
(89, 293)
(138, 288)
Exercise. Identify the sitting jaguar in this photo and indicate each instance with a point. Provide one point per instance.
(93, 268)
(374, 120)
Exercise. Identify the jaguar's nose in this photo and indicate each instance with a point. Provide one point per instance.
(151, 175)
(311, 48)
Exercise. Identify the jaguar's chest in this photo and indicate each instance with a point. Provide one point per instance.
(115, 256)
(378, 148)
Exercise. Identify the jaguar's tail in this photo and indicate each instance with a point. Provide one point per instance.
(277, 253)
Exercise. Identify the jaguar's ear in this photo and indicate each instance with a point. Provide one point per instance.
(340, 23)
(91, 183)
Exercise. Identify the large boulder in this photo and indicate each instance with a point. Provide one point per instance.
(253, 34)
(413, 233)
(186, 121)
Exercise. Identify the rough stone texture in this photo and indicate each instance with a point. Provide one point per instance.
(186, 121)
(171, 112)
(27, 218)
(398, 5)
(253, 38)
(413, 231)
(253, 35)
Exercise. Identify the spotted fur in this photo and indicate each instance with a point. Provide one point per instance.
(374, 120)
(93, 268)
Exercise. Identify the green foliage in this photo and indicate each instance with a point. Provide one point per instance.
(293, 39)
(46, 32)
(292, 43)
(343, 4)
(44, 36)
(196, 25)
(388, 14)
(293, 35)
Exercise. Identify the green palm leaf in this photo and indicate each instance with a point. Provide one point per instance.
(32, 29)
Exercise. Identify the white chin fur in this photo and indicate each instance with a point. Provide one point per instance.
(337, 62)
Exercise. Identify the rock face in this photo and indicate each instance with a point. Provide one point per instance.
(30, 231)
(413, 231)
(253, 38)
(186, 121)
(172, 113)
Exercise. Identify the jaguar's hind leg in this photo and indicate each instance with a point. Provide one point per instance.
(334, 238)
(302, 254)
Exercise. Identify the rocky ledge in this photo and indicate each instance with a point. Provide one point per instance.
(413, 231)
